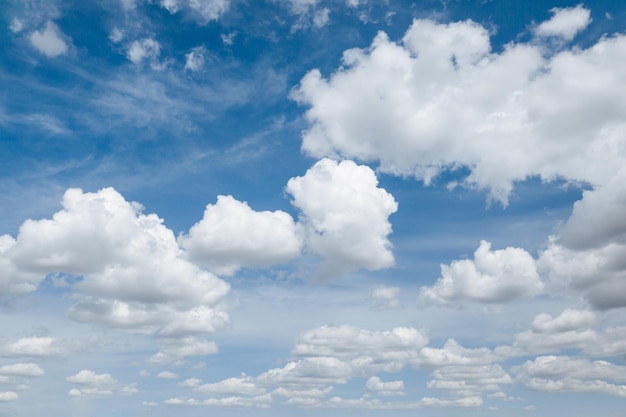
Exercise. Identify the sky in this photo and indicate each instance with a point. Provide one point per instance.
(312, 208)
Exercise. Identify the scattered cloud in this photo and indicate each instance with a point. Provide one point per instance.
(565, 22)
(375, 384)
(21, 369)
(491, 277)
(50, 41)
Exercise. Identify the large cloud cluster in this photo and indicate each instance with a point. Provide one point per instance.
(442, 99)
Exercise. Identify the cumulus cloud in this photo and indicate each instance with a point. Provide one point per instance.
(470, 380)
(348, 342)
(44, 346)
(21, 369)
(50, 41)
(167, 375)
(194, 60)
(130, 271)
(231, 235)
(565, 23)
(386, 297)
(442, 98)
(599, 275)
(326, 356)
(563, 373)
(345, 216)
(16, 25)
(491, 277)
(8, 396)
(452, 353)
(375, 384)
(568, 320)
(144, 50)
(92, 384)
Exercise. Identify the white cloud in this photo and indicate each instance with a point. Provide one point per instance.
(16, 26)
(355, 3)
(568, 320)
(386, 297)
(471, 379)
(132, 273)
(231, 235)
(597, 218)
(13, 280)
(167, 375)
(8, 396)
(393, 348)
(116, 35)
(92, 384)
(144, 49)
(563, 373)
(194, 60)
(491, 277)
(390, 388)
(452, 353)
(321, 17)
(565, 23)
(442, 99)
(21, 369)
(301, 6)
(50, 41)
(36, 346)
(345, 216)
(87, 377)
(209, 9)
(243, 385)
(598, 274)
(460, 402)
(172, 6)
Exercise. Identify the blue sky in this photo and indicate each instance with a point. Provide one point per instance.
(310, 207)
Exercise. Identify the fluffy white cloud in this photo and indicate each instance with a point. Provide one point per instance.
(244, 385)
(87, 377)
(598, 218)
(50, 41)
(345, 216)
(598, 274)
(231, 235)
(395, 347)
(491, 277)
(452, 353)
(565, 23)
(13, 280)
(563, 373)
(205, 10)
(386, 297)
(131, 272)
(588, 255)
(144, 49)
(194, 60)
(34, 346)
(167, 375)
(470, 380)
(8, 396)
(16, 25)
(91, 384)
(21, 369)
(568, 320)
(385, 388)
(442, 99)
